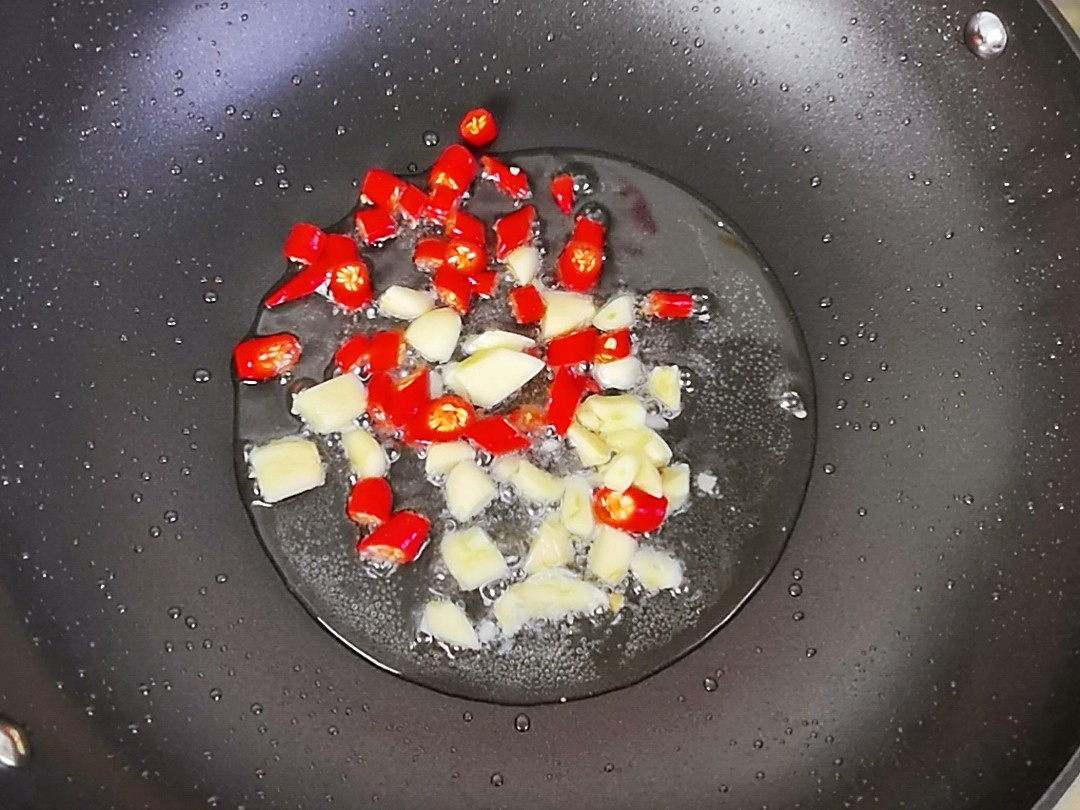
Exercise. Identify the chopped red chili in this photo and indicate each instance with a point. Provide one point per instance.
(399, 540)
(576, 347)
(497, 436)
(265, 357)
(526, 305)
(513, 231)
(667, 304)
(634, 511)
(303, 243)
(477, 127)
(370, 501)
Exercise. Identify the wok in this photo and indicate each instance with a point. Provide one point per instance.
(916, 203)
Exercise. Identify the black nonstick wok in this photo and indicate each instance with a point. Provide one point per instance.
(916, 202)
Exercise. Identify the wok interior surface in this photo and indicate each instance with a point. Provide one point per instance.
(918, 207)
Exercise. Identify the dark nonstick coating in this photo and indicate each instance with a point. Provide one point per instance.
(936, 661)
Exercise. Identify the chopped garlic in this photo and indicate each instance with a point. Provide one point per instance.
(472, 559)
(610, 555)
(447, 622)
(332, 405)
(405, 303)
(621, 375)
(546, 595)
(286, 467)
(497, 339)
(435, 334)
(536, 484)
(648, 479)
(676, 481)
(591, 449)
(503, 469)
(366, 456)
(617, 412)
(576, 507)
(523, 263)
(493, 375)
(441, 458)
(618, 313)
(656, 570)
(468, 490)
(565, 312)
(550, 547)
(665, 386)
(620, 473)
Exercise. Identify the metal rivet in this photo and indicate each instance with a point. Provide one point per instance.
(986, 35)
(14, 746)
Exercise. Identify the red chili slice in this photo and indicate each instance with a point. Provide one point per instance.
(562, 191)
(455, 169)
(576, 347)
(303, 243)
(444, 419)
(430, 254)
(468, 258)
(666, 304)
(386, 351)
(399, 540)
(350, 286)
(299, 285)
(588, 231)
(453, 288)
(527, 419)
(411, 203)
(496, 435)
(465, 226)
(410, 395)
(526, 305)
(477, 127)
(440, 202)
(370, 501)
(374, 225)
(613, 345)
(352, 354)
(564, 394)
(484, 283)
(582, 258)
(382, 189)
(634, 510)
(513, 231)
(510, 180)
(381, 390)
(265, 357)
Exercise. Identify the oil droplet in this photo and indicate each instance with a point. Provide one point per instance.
(825, 302)
(201, 375)
(795, 589)
(467, 717)
(171, 516)
(256, 708)
(829, 468)
(174, 613)
(985, 35)
(609, 767)
(191, 622)
(215, 694)
(210, 297)
(431, 138)
(296, 80)
(796, 574)
(798, 616)
(496, 780)
(710, 684)
(522, 722)
(815, 181)
(811, 652)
